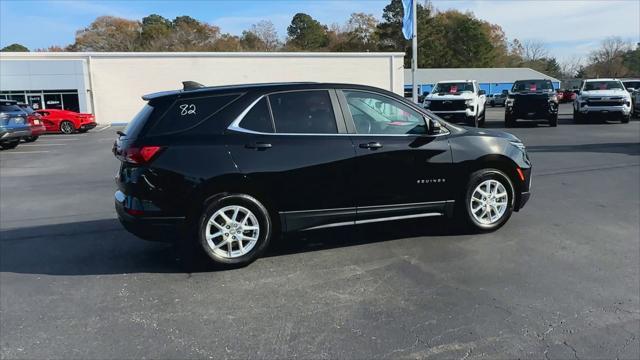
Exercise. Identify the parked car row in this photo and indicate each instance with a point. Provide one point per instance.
(18, 121)
(535, 99)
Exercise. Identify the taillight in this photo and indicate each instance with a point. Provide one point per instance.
(141, 155)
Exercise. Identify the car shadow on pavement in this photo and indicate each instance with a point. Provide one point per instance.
(102, 247)
(614, 148)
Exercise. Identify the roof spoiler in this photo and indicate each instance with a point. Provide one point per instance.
(191, 85)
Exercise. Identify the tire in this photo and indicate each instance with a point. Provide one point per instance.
(482, 119)
(625, 119)
(225, 248)
(30, 139)
(483, 180)
(473, 120)
(492, 104)
(509, 121)
(10, 144)
(66, 127)
(578, 118)
(553, 120)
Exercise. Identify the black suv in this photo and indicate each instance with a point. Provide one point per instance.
(531, 99)
(231, 166)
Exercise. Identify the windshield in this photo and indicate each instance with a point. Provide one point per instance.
(632, 85)
(602, 85)
(532, 85)
(453, 88)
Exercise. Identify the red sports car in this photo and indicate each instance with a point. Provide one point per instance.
(66, 121)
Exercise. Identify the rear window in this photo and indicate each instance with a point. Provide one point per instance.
(303, 112)
(135, 125)
(258, 118)
(187, 113)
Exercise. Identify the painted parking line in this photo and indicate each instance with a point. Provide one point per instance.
(24, 152)
(61, 139)
(103, 128)
(21, 145)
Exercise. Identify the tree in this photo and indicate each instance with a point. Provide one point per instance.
(109, 33)
(155, 31)
(609, 59)
(306, 33)
(631, 60)
(533, 51)
(361, 32)
(15, 47)
(267, 34)
(251, 42)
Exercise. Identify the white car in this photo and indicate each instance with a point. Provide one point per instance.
(606, 98)
(460, 100)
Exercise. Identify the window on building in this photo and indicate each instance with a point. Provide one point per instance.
(303, 112)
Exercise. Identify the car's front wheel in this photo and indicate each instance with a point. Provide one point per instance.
(66, 127)
(7, 145)
(553, 120)
(234, 230)
(489, 200)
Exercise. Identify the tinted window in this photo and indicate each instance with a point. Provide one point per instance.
(377, 114)
(258, 118)
(189, 112)
(453, 88)
(135, 125)
(303, 112)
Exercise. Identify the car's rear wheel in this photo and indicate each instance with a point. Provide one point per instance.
(30, 138)
(12, 144)
(234, 230)
(489, 200)
(66, 127)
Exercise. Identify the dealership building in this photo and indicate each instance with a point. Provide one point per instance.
(491, 80)
(110, 85)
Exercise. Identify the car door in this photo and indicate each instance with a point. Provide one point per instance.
(293, 146)
(400, 170)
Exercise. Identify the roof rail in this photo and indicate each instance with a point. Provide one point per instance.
(191, 85)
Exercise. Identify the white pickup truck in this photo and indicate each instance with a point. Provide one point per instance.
(460, 100)
(606, 98)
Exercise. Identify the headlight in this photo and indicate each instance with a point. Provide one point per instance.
(469, 102)
(509, 101)
(427, 103)
(553, 98)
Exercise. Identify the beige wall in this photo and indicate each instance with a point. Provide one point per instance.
(118, 80)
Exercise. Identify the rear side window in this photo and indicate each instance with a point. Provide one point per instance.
(132, 130)
(258, 118)
(303, 112)
(10, 108)
(189, 112)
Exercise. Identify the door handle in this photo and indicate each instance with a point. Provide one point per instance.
(259, 146)
(371, 145)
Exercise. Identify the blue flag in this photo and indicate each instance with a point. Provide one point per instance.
(407, 19)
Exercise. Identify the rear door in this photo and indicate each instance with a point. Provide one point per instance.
(293, 147)
(400, 170)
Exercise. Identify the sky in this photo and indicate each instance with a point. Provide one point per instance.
(569, 28)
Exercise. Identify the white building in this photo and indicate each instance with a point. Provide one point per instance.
(110, 85)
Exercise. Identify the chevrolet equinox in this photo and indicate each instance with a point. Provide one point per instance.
(228, 167)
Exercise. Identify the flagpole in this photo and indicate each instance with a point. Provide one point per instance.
(414, 53)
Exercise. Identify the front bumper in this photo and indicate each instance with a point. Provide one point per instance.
(601, 110)
(135, 220)
(456, 114)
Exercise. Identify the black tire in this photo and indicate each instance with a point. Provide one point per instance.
(464, 209)
(8, 145)
(509, 121)
(30, 138)
(578, 118)
(264, 223)
(492, 104)
(482, 119)
(625, 119)
(66, 127)
(553, 120)
(473, 120)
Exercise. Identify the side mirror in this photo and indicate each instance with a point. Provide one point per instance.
(482, 92)
(434, 127)
(576, 91)
(631, 90)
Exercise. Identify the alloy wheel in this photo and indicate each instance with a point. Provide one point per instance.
(232, 231)
(489, 202)
(66, 127)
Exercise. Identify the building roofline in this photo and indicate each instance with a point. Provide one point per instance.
(18, 55)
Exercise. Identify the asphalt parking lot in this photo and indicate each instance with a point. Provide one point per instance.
(560, 280)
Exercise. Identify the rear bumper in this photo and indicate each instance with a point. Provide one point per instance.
(146, 226)
(8, 134)
(38, 130)
(88, 126)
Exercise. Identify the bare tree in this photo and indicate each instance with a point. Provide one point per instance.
(571, 66)
(534, 51)
(266, 32)
(608, 60)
